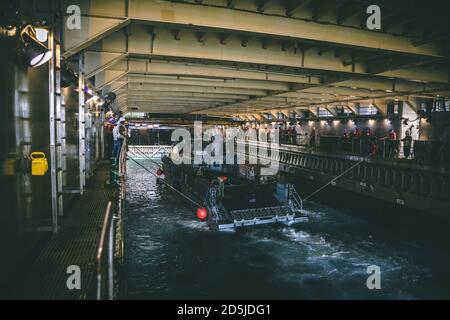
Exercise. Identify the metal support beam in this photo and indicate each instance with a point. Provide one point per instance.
(52, 121)
(306, 62)
(381, 106)
(184, 15)
(296, 6)
(413, 104)
(81, 124)
(60, 128)
(78, 39)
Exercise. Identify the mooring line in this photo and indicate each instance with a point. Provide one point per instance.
(337, 177)
(165, 182)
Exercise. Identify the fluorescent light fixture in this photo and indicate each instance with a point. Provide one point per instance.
(41, 34)
(34, 52)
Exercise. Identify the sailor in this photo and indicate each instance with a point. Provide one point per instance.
(221, 186)
(119, 134)
(407, 143)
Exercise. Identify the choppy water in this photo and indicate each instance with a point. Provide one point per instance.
(171, 255)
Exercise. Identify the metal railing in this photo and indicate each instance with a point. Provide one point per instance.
(210, 202)
(151, 151)
(110, 250)
(423, 152)
(120, 203)
(105, 252)
(294, 199)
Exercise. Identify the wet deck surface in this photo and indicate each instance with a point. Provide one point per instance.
(75, 244)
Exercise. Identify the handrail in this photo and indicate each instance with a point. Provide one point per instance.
(111, 237)
(209, 201)
(107, 231)
(151, 151)
(295, 197)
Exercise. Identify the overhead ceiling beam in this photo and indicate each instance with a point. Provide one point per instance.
(321, 8)
(222, 19)
(227, 83)
(131, 97)
(164, 46)
(350, 11)
(231, 3)
(294, 7)
(202, 89)
(76, 40)
(144, 93)
(155, 67)
(381, 106)
(262, 5)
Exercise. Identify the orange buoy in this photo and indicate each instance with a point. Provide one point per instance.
(201, 213)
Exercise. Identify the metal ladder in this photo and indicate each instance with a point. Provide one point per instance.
(210, 202)
(294, 199)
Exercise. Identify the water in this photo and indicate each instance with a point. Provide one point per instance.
(171, 255)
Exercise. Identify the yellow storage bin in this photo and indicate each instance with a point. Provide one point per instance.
(39, 164)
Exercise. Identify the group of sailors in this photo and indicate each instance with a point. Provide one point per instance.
(118, 125)
(369, 142)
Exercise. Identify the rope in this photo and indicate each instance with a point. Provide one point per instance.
(165, 182)
(337, 177)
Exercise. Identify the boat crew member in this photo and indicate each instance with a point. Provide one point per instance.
(119, 134)
(221, 186)
(407, 143)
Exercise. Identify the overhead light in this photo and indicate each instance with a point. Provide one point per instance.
(35, 52)
(88, 90)
(41, 34)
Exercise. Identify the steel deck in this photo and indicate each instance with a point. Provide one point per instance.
(75, 244)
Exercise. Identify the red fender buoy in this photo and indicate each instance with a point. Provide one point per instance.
(202, 213)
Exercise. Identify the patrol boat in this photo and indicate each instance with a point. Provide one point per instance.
(235, 195)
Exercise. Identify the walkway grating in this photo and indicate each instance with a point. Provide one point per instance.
(75, 244)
